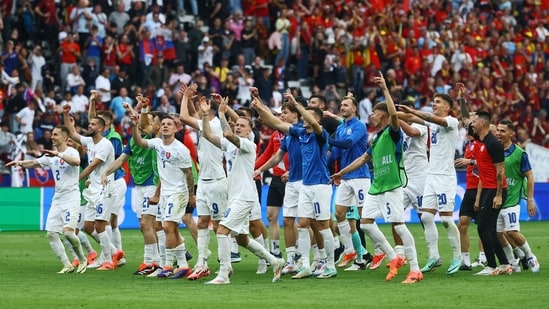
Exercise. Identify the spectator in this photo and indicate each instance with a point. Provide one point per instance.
(45, 142)
(15, 104)
(159, 73)
(70, 53)
(117, 105)
(205, 53)
(32, 150)
(182, 48)
(147, 55)
(6, 139)
(10, 58)
(47, 13)
(94, 47)
(36, 61)
(74, 79)
(165, 106)
(100, 20)
(80, 18)
(79, 102)
(119, 18)
(103, 86)
(25, 117)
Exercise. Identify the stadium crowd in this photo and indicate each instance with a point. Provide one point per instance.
(55, 52)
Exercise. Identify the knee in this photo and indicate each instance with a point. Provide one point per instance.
(52, 235)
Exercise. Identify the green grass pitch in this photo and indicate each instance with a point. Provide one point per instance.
(28, 279)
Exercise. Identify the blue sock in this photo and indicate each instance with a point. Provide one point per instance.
(357, 245)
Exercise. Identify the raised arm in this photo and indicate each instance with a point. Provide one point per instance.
(206, 128)
(91, 107)
(465, 117)
(391, 109)
(186, 117)
(227, 131)
(268, 118)
(69, 123)
(315, 125)
(139, 141)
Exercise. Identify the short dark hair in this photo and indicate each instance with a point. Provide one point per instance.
(291, 108)
(318, 112)
(63, 129)
(248, 120)
(484, 115)
(321, 98)
(508, 123)
(353, 99)
(166, 116)
(100, 120)
(446, 98)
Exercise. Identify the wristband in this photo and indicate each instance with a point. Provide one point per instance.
(60, 154)
(472, 162)
(145, 109)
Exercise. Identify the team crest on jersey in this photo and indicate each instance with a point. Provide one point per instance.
(482, 148)
(168, 155)
(61, 161)
(349, 131)
(41, 174)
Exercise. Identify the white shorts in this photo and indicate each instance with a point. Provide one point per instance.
(255, 213)
(140, 201)
(440, 193)
(413, 193)
(314, 202)
(237, 216)
(172, 207)
(351, 192)
(65, 213)
(100, 203)
(508, 219)
(211, 198)
(291, 199)
(119, 194)
(387, 205)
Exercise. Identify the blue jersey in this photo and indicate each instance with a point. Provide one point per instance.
(313, 154)
(116, 142)
(291, 145)
(350, 142)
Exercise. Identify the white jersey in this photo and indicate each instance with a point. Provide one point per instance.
(443, 147)
(240, 169)
(103, 151)
(65, 175)
(211, 157)
(415, 152)
(171, 160)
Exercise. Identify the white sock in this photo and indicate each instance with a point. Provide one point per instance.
(519, 253)
(431, 234)
(290, 253)
(85, 242)
(337, 243)
(149, 253)
(260, 240)
(116, 238)
(322, 254)
(400, 251)
(170, 254)
(69, 247)
(316, 252)
(58, 249)
(275, 246)
(234, 245)
(75, 244)
(224, 253)
(409, 246)
(508, 250)
(202, 242)
(161, 236)
(105, 243)
(328, 247)
(304, 246)
(372, 230)
(113, 248)
(180, 256)
(453, 235)
(345, 234)
(466, 258)
(482, 256)
(95, 236)
(259, 250)
(525, 248)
